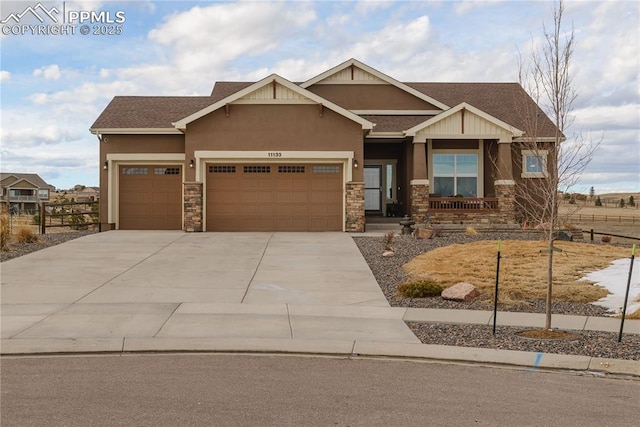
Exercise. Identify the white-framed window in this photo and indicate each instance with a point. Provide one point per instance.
(534, 163)
(43, 194)
(455, 174)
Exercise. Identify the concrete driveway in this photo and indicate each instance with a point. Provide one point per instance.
(154, 286)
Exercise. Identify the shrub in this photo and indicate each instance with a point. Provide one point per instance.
(606, 239)
(5, 232)
(598, 201)
(621, 203)
(631, 202)
(24, 234)
(419, 289)
(471, 231)
(387, 241)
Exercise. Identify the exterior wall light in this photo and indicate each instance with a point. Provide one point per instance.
(355, 163)
(191, 163)
(105, 166)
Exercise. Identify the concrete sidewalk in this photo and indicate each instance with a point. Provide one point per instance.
(256, 292)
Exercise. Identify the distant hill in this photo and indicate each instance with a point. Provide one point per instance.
(618, 196)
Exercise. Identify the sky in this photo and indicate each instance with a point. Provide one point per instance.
(54, 86)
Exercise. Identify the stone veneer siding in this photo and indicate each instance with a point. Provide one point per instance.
(506, 202)
(419, 202)
(192, 206)
(354, 206)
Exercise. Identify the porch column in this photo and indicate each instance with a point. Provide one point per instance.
(354, 206)
(419, 183)
(192, 206)
(505, 184)
(419, 160)
(504, 163)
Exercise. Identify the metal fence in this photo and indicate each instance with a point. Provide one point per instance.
(620, 219)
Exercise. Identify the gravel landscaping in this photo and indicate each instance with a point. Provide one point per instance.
(44, 241)
(388, 272)
(586, 343)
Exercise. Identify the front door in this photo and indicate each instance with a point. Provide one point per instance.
(373, 188)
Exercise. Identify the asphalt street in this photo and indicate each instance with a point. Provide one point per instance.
(250, 390)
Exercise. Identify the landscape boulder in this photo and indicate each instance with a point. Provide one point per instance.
(423, 233)
(461, 292)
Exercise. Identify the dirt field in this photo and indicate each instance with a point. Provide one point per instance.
(621, 221)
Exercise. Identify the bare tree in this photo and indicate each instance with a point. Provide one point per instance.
(549, 161)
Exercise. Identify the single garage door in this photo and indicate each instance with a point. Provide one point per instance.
(291, 197)
(150, 197)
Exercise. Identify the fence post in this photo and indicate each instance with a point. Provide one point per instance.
(43, 224)
(591, 234)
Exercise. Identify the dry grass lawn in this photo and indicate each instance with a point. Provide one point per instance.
(523, 268)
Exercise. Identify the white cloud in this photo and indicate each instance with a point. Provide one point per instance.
(395, 43)
(206, 38)
(367, 6)
(609, 116)
(88, 92)
(338, 20)
(4, 76)
(462, 7)
(31, 137)
(50, 72)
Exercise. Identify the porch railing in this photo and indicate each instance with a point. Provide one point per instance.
(11, 198)
(463, 204)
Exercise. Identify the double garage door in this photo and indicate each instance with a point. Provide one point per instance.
(239, 197)
(275, 197)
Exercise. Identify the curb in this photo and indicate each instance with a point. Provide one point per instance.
(369, 349)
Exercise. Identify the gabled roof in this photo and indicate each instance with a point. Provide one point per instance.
(501, 100)
(32, 178)
(272, 79)
(377, 74)
(224, 89)
(462, 107)
(148, 112)
(394, 123)
(157, 114)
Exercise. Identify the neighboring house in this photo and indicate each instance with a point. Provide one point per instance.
(323, 154)
(24, 191)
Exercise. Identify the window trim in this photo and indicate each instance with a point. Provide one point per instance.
(479, 152)
(542, 156)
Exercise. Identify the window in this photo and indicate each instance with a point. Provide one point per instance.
(326, 169)
(166, 171)
(43, 194)
(222, 169)
(257, 169)
(134, 171)
(534, 163)
(455, 174)
(290, 169)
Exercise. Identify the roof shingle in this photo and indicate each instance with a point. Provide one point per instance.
(159, 112)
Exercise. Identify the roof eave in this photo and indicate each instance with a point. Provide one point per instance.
(134, 131)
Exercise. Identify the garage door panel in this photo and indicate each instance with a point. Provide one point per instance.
(274, 197)
(150, 197)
